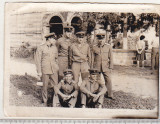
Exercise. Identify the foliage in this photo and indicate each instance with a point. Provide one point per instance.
(116, 20)
(24, 51)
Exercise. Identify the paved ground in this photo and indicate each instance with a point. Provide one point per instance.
(136, 82)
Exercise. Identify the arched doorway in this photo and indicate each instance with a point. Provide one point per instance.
(56, 26)
(77, 24)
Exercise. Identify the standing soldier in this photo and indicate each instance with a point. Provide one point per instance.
(155, 55)
(102, 59)
(63, 45)
(47, 64)
(92, 91)
(66, 91)
(80, 57)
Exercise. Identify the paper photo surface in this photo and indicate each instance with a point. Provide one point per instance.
(47, 43)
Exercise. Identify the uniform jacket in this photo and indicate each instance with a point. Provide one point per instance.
(47, 62)
(80, 53)
(66, 88)
(89, 86)
(63, 45)
(102, 57)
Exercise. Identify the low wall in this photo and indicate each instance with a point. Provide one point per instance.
(128, 57)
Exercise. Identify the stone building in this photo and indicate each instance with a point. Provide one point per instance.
(32, 25)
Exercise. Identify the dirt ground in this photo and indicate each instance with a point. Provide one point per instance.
(134, 88)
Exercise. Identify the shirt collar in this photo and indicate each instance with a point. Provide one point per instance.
(68, 82)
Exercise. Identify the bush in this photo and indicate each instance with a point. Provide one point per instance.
(24, 51)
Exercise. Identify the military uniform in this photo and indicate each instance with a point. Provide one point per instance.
(65, 88)
(63, 45)
(47, 65)
(155, 55)
(92, 87)
(80, 57)
(102, 59)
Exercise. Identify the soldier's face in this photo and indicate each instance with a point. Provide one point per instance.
(93, 77)
(68, 77)
(68, 34)
(80, 39)
(52, 41)
(101, 40)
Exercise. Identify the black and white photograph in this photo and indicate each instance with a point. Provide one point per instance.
(68, 60)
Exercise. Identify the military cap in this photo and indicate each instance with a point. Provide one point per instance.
(100, 35)
(80, 34)
(51, 35)
(68, 28)
(93, 71)
(68, 71)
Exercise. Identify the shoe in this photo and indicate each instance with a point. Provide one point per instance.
(83, 106)
(45, 104)
(100, 106)
(111, 97)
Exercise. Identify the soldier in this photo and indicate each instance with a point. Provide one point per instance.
(80, 57)
(92, 91)
(102, 59)
(155, 55)
(47, 64)
(66, 91)
(63, 45)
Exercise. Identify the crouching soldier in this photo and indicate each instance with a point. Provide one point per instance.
(47, 65)
(66, 91)
(92, 91)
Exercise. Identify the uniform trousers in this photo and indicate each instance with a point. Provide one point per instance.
(155, 58)
(46, 78)
(63, 65)
(88, 100)
(57, 100)
(108, 82)
(80, 68)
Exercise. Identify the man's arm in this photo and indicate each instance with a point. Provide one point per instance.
(70, 54)
(110, 58)
(56, 56)
(103, 89)
(75, 93)
(84, 89)
(92, 56)
(89, 56)
(57, 90)
(38, 56)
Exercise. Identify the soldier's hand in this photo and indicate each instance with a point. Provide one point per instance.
(72, 96)
(66, 98)
(95, 98)
(92, 95)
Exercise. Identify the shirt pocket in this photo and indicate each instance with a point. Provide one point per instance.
(45, 53)
(105, 56)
